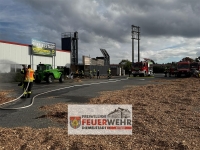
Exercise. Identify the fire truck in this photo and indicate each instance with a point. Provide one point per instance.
(183, 68)
(195, 65)
(143, 68)
(173, 69)
(195, 68)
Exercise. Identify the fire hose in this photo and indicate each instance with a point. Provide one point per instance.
(32, 100)
(17, 97)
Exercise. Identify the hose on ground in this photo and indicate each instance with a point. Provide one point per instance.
(19, 96)
(33, 99)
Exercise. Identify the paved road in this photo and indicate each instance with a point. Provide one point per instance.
(65, 92)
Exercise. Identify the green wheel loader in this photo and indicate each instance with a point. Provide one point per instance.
(45, 72)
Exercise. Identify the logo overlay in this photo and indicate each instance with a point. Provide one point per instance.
(100, 119)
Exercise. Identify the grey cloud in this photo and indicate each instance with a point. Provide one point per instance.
(156, 18)
(198, 52)
(107, 24)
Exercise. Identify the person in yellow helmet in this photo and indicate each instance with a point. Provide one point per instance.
(109, 73)
(28, 82)
(94, 72)
(90, 74)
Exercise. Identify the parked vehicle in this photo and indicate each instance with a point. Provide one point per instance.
(45, 72)
(143, 68)
(195, 68)
(183, 68)
(173, 70)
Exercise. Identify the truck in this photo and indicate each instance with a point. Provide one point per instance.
(195, 68)
(183, 68)
(195, 65)
(173, 69)
(45, 72)
(143, 68)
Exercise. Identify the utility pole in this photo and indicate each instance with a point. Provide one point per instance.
(132, 45)
(138, 44)
(135, 35)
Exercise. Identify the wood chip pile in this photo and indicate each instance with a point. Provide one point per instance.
(77, 80)
(164, 117)
(4, 96)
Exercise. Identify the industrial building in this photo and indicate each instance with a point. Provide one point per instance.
(13, 55)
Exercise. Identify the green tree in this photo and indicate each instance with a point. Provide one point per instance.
(126, 65)
(188, 59)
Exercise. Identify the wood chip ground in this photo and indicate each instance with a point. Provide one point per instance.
(165, 116)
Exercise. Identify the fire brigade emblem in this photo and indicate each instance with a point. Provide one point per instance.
(75, 122)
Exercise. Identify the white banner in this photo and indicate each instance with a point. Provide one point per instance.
(100, 119)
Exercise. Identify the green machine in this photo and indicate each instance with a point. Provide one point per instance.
(45, 72)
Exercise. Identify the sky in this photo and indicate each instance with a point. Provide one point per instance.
(169, 29)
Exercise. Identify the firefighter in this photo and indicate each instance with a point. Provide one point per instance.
(90, 75)
(28, 82)
(165, 71)
(23, 72)
(94, 72)
(109, 72)
(98, 77)
(82, 73)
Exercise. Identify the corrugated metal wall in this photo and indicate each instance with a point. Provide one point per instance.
(62, 59)
(13, 55)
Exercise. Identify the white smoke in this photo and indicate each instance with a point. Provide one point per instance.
(7, 70)
(7, 65)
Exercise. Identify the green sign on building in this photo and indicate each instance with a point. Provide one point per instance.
(43, 48)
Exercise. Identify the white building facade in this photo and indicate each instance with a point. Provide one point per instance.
(13, 55)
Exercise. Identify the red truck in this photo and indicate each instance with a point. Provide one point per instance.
(173, 70)
(183, 68)
(143, 68)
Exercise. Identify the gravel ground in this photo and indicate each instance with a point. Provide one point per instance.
(165, 116)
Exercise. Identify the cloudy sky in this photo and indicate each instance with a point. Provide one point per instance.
(170, 29)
